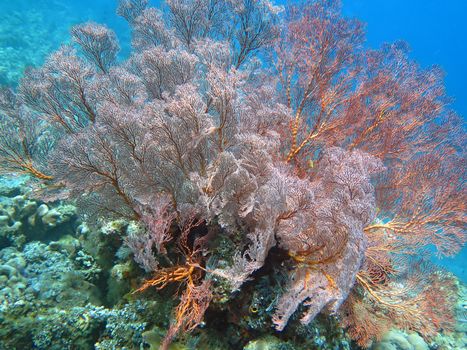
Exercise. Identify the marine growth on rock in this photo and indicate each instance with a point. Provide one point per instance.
(244, 150)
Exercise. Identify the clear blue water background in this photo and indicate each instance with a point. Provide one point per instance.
(436, 31)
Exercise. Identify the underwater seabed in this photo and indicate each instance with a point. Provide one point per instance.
(29, 33)
(69, 284)
(66, 286)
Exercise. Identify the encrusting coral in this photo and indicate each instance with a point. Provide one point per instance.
(246, 141)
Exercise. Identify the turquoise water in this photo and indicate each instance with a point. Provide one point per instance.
(435, 31)
(118, 219)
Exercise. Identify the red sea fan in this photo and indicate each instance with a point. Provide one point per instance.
(276, 130)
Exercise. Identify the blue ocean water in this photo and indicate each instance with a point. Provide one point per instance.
(436, 33)
(435, 30)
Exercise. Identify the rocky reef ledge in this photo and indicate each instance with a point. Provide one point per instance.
(64, 285)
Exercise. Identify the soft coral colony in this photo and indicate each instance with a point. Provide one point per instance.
(326, 165)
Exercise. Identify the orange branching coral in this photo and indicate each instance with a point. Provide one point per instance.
(372, 310)
(165, 276)
(369, 172)
(378, 101)
(397, 109)
(194, 301)
(394, 290)
(24, 166)
(317, 62)
(190, 311)
(23, 142)
(398, 299)
(421, 206)
(361, 320)
(197, 295)
(30, 169)
(426, 204)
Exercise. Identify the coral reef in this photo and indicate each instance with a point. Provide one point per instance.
(19, 47)
(396, 340)
(30, 31)
(258, 167)
(52, 292)
(42, 283)
(24, 218)
(73, 292)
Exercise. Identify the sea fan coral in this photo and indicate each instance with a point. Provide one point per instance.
(271, 130)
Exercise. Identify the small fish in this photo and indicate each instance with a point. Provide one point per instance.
(271, 306)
